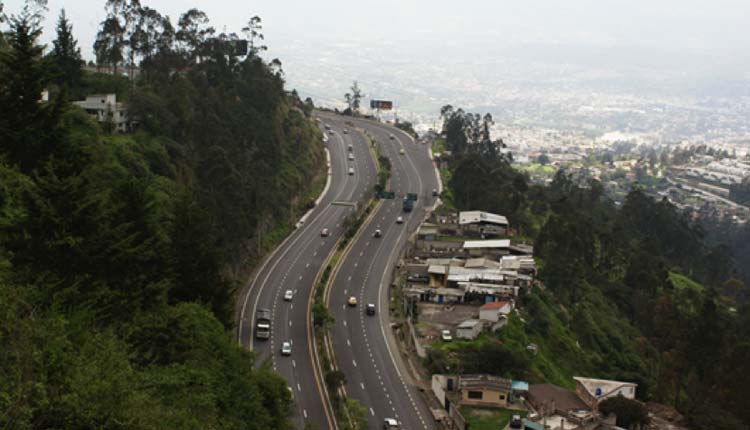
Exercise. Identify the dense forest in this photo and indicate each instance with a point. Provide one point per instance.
(120, 253)
(633, 293)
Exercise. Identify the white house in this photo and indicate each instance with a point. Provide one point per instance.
(469, 329)
(592, 391)
(106, 108)
(492, 311)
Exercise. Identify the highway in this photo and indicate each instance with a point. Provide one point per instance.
(364, 346)
(293, 265)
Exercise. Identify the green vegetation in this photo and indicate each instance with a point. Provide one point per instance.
(629, 412)
(630, 293)
(116, 251)
(488, 419)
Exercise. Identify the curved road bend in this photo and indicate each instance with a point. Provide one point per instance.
(363, 344)
(294, 266)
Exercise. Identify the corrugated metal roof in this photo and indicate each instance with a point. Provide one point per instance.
(478, 244)
(471, 217)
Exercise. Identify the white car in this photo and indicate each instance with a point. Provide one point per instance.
(446, 335)
(391, 137)
(400, 220)
(346, 131)
(378, 233)
(351, 170)
(351, 157)
(286, 348)
(325, 233)
(390, 424)
(288, 295)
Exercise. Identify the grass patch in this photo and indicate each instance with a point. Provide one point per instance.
(488, 418)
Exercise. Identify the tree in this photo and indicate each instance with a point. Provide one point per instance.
(252, 30)
(109, 43)
(629, 412)
(354, 98)
(543, 159)
(26, 126)
(65, 55)
(192, 34)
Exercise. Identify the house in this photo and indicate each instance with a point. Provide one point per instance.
(551, 399)
(592, 391)
(484, 390)
(106, 109)
(493, 310)
(482, 224)
(469, 329)
(487, 248)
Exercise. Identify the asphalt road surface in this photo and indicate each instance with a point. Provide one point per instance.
(294, 266)
(363, 344)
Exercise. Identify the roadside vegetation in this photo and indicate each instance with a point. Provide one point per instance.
(634, 293)
(118, 252)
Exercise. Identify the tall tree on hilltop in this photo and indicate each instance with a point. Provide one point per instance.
(109, 43)
(65, 54)
(254, 26)
(193, 32)
(25, 124)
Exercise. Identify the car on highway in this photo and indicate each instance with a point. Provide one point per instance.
(325, 233)
(400, 220)
(346, 131)
(350, 148)
(391, 137)
(328, 127)
(331, 132)
(352, 301)
(370, 309)
(446, 336)
(351, 170)
(390, 424)
(286, 348)
(378, 233)
(434, 192)
(288, 295)
(351, 157)
(401, 151)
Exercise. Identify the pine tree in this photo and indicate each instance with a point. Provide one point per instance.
(24, 122)
(65, 55)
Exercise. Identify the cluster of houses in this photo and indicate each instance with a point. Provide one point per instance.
(465, 259)
(548, 406)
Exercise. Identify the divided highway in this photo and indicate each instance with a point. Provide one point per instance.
(363, 344)
(294, 266)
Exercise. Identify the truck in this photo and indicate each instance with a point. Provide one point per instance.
(263, 324)
(408, 205)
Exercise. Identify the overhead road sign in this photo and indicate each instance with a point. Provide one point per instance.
(381, 104)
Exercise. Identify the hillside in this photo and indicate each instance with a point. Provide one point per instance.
(632, 293)
(120, 253)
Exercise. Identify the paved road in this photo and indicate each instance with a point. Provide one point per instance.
(294, 265)
(363, 344)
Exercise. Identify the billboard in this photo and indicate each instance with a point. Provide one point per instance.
(381, 104)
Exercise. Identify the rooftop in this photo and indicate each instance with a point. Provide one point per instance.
(494, 305)
(469, 323)
(484, 382)
(601, 387)
(563, 399)
(472, 217)
(478, 244)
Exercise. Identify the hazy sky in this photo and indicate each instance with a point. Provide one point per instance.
(674, 25)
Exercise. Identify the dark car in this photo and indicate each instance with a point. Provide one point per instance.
(516, 422)
(370, 309)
